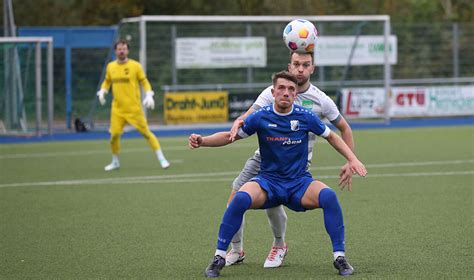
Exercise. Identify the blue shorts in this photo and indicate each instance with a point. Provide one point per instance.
(286, 192)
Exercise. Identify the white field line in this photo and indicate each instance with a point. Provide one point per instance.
(404, 164)
(107, 151)
(124, 151)
(228, 176)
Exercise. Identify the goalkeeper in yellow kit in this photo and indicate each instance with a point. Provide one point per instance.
(125, 75)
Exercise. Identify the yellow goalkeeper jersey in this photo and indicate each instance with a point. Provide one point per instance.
(125, 80)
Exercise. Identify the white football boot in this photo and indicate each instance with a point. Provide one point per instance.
(234, 257)
(164, 163)
(276, 256)
(112, 166)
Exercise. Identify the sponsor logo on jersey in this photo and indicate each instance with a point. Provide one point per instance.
(295, 125)
(272, 125)
(292, 142)
(284, 140)
(307, 104)
(276, 139)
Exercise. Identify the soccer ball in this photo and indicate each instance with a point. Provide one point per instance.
(300, 36)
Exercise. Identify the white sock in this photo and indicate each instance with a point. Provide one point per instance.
(115, 158)
(238, 239)
(338, 254)
(220, 253)
(160, 155)
(277, 219)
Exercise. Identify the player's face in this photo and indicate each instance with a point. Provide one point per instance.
(121, 52)
(301, 65)
(284, 92)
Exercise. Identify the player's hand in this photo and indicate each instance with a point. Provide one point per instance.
(235, 128)
(148, 102)
(357, 167)
(345, 177)
(194, 141)
(101, 94)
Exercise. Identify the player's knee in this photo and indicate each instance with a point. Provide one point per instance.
(241, 202)
(114, 137)
(277, 213)
(327, 197)
(146, 135)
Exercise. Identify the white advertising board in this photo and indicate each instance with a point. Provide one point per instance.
(369, 50)
(232, 52)
(363, 102)
(409, 101)
(432, 101)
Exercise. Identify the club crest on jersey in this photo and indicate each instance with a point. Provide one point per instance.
(295, 125)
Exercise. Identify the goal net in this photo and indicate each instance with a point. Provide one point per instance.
(24, 103)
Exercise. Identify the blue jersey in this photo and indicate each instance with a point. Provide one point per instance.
(283, 139)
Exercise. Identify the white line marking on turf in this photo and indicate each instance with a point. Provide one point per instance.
(402, 164)
(418, 174)
(107, 151)
(193, 177)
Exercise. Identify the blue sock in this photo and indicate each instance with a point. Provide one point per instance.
(333, 220)
(233, 219)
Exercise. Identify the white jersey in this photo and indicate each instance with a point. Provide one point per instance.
(313, 98)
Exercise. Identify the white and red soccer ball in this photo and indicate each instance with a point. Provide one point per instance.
(300, 36)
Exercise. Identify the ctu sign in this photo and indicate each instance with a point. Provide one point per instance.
(410, 98)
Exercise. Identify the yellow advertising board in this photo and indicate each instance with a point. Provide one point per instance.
(196, 107)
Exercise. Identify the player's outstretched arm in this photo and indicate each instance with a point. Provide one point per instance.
(346, 132)
(215, 140)
(345, 176)
(238, 123)
(355, 165)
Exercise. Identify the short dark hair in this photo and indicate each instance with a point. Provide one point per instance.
(284, 75)
(122, 42)
(311, 53)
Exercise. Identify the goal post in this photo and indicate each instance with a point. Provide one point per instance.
(157, 42)
(17, 65)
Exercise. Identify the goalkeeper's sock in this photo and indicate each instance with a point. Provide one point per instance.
(161, 158)
(160, 155)
(333, 220)
(232, 219)
(115, 158)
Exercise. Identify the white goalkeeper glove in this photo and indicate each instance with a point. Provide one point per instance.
(101, 94)
(148, 102)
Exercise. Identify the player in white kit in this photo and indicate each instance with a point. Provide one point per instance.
(312, 98)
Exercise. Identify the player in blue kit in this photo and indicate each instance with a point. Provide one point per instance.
(282, 131)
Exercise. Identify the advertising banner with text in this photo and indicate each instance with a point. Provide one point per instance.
(196, 107)
(233, 52)
(409, 101)
(369, 50)
(239, 103)
(363, 102)
(433, 101)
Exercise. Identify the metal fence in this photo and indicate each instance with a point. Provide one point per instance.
(428, 54)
